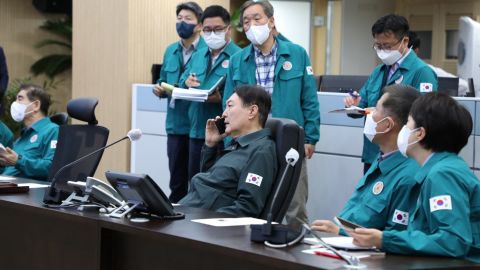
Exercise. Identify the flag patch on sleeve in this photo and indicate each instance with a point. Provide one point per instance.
(309, 70)
(400, 217)
(254, 179)
(442, 202)
(426, 87)
(53, 144)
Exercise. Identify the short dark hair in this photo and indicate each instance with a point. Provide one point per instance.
(267, 8)
(216, 11)
(447, 123)
(256, 95)
(399, 101)
(193, 7)
(34, 93)
(414, 41)
(394, 23)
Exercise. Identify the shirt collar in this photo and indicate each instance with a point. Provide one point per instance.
(40, 124)
(390, 161)
(429, 163)
(192, 46)
(272, 52)
(252, 137)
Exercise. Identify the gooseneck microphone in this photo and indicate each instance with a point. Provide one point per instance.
(277, 235)
(52, 195)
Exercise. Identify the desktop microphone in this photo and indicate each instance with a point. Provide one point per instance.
(54, 195)
(278, 235)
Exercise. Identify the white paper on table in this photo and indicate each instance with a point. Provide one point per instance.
(225, 222)
(7, 178)
(342, 242)
(33, 185)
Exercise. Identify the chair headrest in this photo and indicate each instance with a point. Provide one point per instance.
(83, 109)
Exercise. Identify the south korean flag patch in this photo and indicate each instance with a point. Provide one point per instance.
(400, 217)
(426, 87)
(442, 202)
(254, 179)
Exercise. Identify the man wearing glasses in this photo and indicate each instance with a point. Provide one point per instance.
(400, 66)
(205, 68)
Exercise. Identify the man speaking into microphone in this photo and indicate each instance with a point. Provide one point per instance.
(238, 179)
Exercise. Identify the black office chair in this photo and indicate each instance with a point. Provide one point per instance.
(286, 134)
(59, 118)
(75, 141)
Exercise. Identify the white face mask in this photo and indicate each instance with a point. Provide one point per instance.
(402, 139)
(370, 128)
(258, 34)
(17, 111)
(215, 41)
(389, 57)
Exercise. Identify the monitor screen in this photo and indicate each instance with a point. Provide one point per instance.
(140, 188)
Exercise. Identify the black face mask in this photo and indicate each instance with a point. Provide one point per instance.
(185, 30)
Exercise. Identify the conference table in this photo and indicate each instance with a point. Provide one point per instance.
(37, 237)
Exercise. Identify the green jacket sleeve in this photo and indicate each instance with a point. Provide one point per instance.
(403, 199)
(208, 157)
(446, 232)
(250, 197)
(425, 75)
(39, 168)
(310, 105)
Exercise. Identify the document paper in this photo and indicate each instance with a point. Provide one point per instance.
(226, 222)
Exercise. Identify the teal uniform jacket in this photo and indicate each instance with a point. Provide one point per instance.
(35, 148)
(239, 179)
(200, 64)
(177, 122)
(6, 135)
(412, 71)
(294, 92)
(446, 220)
(384, 195)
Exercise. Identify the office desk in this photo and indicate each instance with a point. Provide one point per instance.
(36, 237)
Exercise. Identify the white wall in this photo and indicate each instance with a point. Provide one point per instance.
(357, 56)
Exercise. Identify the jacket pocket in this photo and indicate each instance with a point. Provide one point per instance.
(376, 205)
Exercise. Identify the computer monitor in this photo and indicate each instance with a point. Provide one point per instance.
(142, 191)
(448, 85)
(341, 83)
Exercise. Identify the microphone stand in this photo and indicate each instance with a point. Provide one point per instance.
(52, 195)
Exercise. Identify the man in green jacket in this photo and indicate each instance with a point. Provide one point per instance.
(284, 70)
(239, 179)
(400, 66)
(175, 59)
(33, 151)
(207, 66)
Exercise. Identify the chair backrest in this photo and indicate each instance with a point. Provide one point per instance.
(341, 83)
(60, 118)
(286, 134)
(448, 85)
(75, 141)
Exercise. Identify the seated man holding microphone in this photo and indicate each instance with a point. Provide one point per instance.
(384, 195)
(238, 179)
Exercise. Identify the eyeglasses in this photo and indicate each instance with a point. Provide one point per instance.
(377, 46)
(217, 30)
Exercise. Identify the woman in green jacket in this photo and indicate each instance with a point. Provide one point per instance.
(446, 219)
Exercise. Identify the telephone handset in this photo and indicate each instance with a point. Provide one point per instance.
(98, 190)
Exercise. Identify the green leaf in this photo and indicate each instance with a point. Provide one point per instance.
(52, 65)
(47, 42)
(60, 27)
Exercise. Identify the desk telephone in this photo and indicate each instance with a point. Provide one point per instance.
(98, 190)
